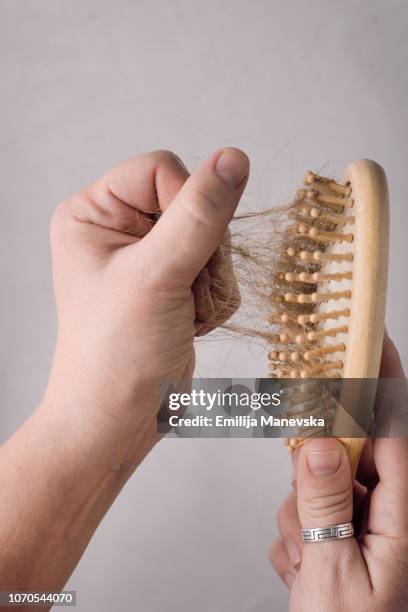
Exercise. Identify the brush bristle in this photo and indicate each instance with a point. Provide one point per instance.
(311, 302)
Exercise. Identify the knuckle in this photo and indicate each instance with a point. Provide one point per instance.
(201, 207)
(282, 513)
(58, 218)
(63, 225)
(60, 210)
(111, 215)
(126, 224)
(322, 505)
(274, 552)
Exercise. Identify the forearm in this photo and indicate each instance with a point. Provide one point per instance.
(59, 474)
(126, 323)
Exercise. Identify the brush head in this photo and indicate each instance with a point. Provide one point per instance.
(330, 285)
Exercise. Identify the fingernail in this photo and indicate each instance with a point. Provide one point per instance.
(232, 166)
(293, 553)
(323, 463)
(180, 161)
(289, 578)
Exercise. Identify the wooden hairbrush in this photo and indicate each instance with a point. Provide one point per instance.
(330, 286)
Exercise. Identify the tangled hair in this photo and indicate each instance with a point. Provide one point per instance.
(243, 274)
(252, 266)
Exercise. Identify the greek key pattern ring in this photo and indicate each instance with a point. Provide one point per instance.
(322, 534)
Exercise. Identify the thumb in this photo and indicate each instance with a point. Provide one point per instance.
(324, 485)
(193, 225)
(325, 497)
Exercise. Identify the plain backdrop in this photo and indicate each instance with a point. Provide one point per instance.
(87, 83)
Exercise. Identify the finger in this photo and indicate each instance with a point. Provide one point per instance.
(288, 517)
(324, 499)
(192, 227)
(359, 495)
(148, 182)
(366, 472)
(391, 366)
(224, 286)
(392, 394)
(204, 304)
(281, 563)
(216, 292)
(390, 459)
(126, 199)
(388, 514)
(359, 500)
(289, 525)
(324, 485)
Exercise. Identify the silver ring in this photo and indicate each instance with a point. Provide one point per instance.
(334, 532)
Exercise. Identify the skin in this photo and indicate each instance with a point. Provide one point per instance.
(137, 270)
(131, 295)
(368, 572)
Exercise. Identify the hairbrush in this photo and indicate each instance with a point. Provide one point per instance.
(329, 289)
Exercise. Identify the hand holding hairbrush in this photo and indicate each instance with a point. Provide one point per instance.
(330, 286)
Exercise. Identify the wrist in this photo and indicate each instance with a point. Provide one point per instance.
(110, 424)
(96, 438)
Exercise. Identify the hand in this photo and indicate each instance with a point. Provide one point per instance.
(137, 274)
(134, 283)
(368, 573)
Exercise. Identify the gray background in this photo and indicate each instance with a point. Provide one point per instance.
(87, 83)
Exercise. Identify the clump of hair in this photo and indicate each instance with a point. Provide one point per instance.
(276, 258)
